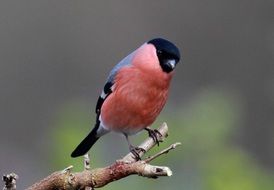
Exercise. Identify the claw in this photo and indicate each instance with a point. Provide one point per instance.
(135, 151)
(153, 134)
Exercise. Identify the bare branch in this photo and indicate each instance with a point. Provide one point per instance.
(99, 177)
(86, 161)
(165, 151)
(10, 181)
(149, 143)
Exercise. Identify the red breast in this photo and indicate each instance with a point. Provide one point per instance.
(139, 94)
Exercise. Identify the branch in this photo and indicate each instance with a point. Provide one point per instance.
(99, 177)
(10, 181)
(165, 151)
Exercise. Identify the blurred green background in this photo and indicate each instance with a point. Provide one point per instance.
(56, 55)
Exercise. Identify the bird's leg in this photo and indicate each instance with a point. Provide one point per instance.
(153, 134)
(133, 149)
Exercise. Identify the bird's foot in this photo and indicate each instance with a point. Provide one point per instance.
(153, 134)
(136, 152)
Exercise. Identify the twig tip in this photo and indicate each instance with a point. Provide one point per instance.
(67, 169)
(169, 172)
(176, 144)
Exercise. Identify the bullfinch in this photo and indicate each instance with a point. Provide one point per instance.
(134, 94)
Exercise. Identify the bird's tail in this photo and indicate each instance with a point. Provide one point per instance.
(86, 144)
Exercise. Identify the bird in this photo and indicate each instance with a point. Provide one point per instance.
(134, 94)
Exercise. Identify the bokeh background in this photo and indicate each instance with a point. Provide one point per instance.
(54, 59)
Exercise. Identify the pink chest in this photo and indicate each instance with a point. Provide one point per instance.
(137, 100)
(140, 93)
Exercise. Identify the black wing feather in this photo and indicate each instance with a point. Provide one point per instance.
(107, 90)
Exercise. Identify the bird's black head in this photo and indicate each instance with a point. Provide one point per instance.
(168, 54)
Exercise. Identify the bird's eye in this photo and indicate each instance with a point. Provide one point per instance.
(159, 52)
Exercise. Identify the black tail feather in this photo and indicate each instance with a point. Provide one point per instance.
(86, 144)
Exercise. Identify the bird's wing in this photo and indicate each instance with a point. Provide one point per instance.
(109, 85)
(98, 129)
